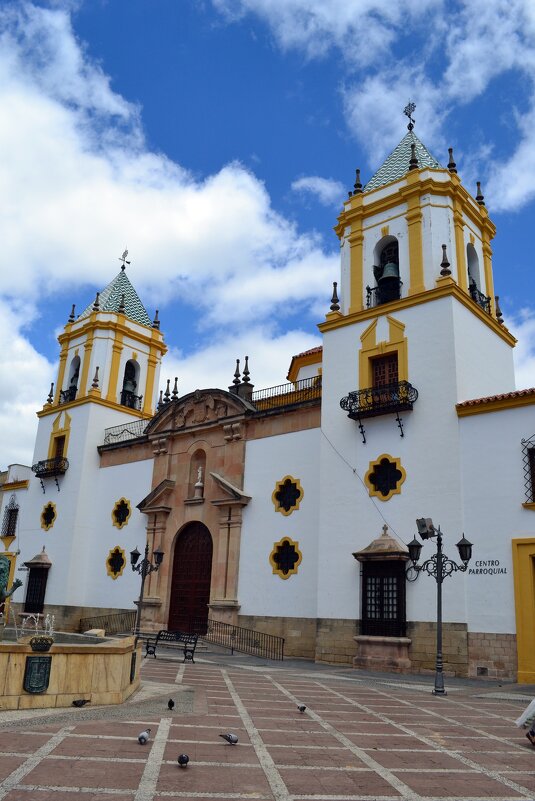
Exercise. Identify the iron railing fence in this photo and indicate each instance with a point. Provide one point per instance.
(130, 400)
(47, 468)
(115, 623)
(288, 394)
(237, 638)
(374, 401)
(482, 300)
(377, 295)
(68, 395)
(124, 432)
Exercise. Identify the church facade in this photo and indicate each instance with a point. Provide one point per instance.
(288, 510)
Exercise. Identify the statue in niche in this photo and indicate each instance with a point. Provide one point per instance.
(4, 578)
(199, 475)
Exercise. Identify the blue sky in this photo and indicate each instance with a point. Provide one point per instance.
(216, 139)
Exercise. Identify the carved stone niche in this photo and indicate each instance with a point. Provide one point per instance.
(382, 644)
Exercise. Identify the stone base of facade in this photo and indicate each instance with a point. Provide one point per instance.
(66, 618)
(389, 654)
(337, 641)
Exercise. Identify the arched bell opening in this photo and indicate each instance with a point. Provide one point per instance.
(190, 579)
(472, 262)
(69, 394)
(386, 273)
(130, 385)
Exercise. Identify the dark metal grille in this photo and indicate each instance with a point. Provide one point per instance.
(116, 561)
(528, 459)
(50, 467)
(9, 523)
(288, 494)
(383, 599)
(117, 623)
(67, 395)
(385, 477)
(482, 300)
(48, 515)
(124, 432)
(121, 512)
(374, 401)
(35, 594)
(377, 295)
(306, 389)
(237, 638)
(286, 557)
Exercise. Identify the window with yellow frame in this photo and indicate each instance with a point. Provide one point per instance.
(287, 495)
(384, 477)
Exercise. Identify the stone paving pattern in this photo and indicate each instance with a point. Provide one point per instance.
(361, 738)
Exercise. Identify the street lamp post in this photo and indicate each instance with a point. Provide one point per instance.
(438, 566)
(144, 568)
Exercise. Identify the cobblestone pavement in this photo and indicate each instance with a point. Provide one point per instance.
(361, 738)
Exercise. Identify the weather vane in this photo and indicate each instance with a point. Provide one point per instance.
(408, 111)
(123, 259)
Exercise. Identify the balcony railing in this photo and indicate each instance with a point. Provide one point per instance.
(482, 300)
(67, 395)
(130, 400)
(374, 401)
(50, 468)
(306, 389)
(389, 290)
(124, 432)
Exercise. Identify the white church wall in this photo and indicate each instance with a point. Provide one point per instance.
(268, 460)
(493, 493)
(437, 230)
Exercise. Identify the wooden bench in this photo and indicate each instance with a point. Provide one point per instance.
(188, 642)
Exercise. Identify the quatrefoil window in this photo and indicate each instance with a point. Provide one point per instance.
(48, 516)
(287, 495)
(385, 477)
(115, 563)
(121, 513)
(285, 558)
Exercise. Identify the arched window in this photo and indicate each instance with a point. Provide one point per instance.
(69, 394)
(386, 273)
(130, 385)
(472, 262)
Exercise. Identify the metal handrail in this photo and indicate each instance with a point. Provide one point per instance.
(130, 400)
(116, 623)
(67, 395)
(377, 295)
(374, 401)
(301, 391)
(238, 638)
(482, 300)
(124, 432)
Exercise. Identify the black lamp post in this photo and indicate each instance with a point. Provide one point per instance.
(438, 566)
(144, 568)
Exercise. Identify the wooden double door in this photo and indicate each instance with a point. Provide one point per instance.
(190, 581)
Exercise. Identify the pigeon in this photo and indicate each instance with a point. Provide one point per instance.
(301, 707)
(143, 737)
(171, 704)
(81, 702)
(231, 739)
(183, 760)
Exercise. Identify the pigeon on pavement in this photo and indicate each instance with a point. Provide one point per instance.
(81, 702)
(183, 760)
(231, 739)
(301, 707)
(143, 736)
(171, 704)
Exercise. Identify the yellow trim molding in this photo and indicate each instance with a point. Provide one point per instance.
(276, 569)
(373, 491)
(59, 431)
(524, 585)
(530, 506)
(115, 510)
(46, 410)
(44, 525)
(303, 360)
(370, 349)
(14, 485)
(116, 351)
(449, 289)
(278, 489)
(117, 551)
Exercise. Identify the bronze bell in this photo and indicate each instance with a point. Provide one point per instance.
(390, 270)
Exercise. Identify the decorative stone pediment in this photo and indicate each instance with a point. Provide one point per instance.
(231, 493)
(158, 499)
(200, 408)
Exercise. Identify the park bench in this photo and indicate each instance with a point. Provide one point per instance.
(188, 643)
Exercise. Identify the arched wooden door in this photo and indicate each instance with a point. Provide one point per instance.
(190, 583)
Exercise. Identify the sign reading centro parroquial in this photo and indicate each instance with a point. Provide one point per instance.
(486, 567)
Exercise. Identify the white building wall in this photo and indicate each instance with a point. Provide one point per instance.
(260, 591)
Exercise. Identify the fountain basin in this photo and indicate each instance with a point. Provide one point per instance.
(101, 670)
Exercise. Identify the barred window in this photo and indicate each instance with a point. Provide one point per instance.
(11, 514)
(383, 599)
(528, 458)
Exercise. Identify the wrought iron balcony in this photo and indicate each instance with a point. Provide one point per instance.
(374, 401)
(50, 468)
(482, 300)
(384, 293)
(67, 395)
(130, 400)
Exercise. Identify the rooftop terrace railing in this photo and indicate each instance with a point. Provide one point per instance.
(306, 389)
(124, 432)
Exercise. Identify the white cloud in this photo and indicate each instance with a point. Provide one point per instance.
(523, 328)
(325, 190)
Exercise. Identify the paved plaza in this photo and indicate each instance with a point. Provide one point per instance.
(363, 737)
